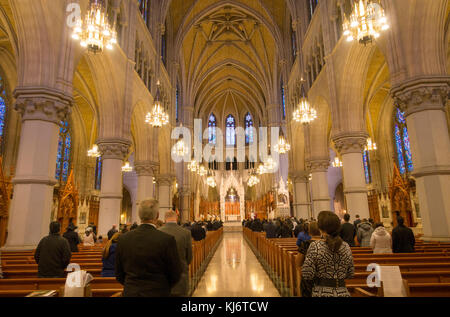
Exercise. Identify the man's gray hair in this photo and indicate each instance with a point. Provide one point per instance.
(148, 209)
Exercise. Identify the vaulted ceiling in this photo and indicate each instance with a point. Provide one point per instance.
(229, 54)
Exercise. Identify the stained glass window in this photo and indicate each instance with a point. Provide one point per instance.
(402, 145)
(3, 108)
(248, 129)
(367, 172)
(143, 8)
(98, 173)
(212, 123)
(63, 156)
(177, 99)
(283, 100)
(231, 130)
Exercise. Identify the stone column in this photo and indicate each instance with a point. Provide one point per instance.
(164, 194)
(113, 152)
(351, 146)
(30, 213)
(319, 185)
(145, 172)
(185, 197)
(301, 196)
(424, 106)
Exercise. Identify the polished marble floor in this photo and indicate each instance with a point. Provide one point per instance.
(234, 271)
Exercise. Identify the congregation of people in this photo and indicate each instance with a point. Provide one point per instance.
(151, 259)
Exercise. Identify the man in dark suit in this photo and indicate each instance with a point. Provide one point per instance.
(147, 260)
(197, 232)
(112, 231)
(357, 222)
(184, 246)
(348, 231)
(403, 240)
(53, 254)
(271, 230)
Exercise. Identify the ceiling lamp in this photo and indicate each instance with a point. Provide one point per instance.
(337, 162)
(253, 180)
(127, 168)
(371, 146)
(261, 169)
(180, 149)
(193, 166)
(269, 164)
(202, 171)
(158, 116)
(304, 113)
(366, 23)
(95, 32)
(282, 146)
(94, 151)
(211, 181)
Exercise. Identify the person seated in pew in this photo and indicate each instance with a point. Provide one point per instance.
(364, 233)
(147, 260)
(403, 240)
(381, 241)
(271, 230)
(303, 235)
(348, 231)
(198, 233)
(109, 256)
(72, 237)
(328, 262)
(52, 254)
(88, 240)
(314, 229)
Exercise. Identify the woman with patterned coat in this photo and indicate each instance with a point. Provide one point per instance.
(329, 261)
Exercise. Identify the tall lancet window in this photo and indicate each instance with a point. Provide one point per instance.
(143, 8)
(248, 129)
(402, 145)
(98, 173)
(177, 100)
(212, 124)
(367, 172)
(231, 131)
(283, 100)
(3, 111)
(64, 150)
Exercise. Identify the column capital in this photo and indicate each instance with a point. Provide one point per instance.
(299, 177)
(145, 168)
(318, 165)
(44, 104)
(422, 94)
(184, 191)
(353, 142)
(115, 148)
(165, 179)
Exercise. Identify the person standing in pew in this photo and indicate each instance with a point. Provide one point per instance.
(271, 230)
(147, 260)
(109, 256)
(403, 240)
(328, 262)
(52, 254)
(364, 233)
(381, 241)
(112, 232)
(348, 231)
(184, 246)
(72, 237)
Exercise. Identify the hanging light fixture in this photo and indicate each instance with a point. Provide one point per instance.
(180, 149)
(261, 169)
(94, 151)
(366, 22)
(337, 162)
(158, 116)
(211, 181)
(127, 168)
(94, 32)
(371, 146)
(253, 179)
(269, 165)
(202, 171)
(304, 113)
(193, 165)
(282, 146)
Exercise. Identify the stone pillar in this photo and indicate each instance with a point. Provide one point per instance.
(319, 185)
(145, 172)
(185, 197)
(301, 196)
(113, 152)
(164, 194)
(424, 106)
(30, 213)
(351, 146)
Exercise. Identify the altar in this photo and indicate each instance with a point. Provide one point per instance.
(232, 196)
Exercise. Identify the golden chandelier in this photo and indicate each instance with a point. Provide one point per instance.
(94, 151)
(158, 116)
(211, 181)
(304, 113)
(253, 180)
(127, 168)
(94, 32)
(366, 23)
(282, 146)
(371, 146)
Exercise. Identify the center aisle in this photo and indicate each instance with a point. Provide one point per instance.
(234, 271)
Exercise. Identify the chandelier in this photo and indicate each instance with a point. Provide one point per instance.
(253, 180)
(211, 181)
(261, 169)
(282, 146)
(193, 166)
(371, 146)
(202, 171)
(269, 164)
(180, 149)
(95, 32)
(127, 168)
(304, 113)
(94, 151)
(337, 162)
(366, 23)
(158, 116)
